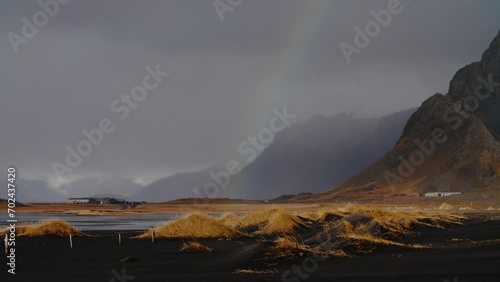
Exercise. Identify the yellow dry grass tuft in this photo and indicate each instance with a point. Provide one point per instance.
(54, 227)
(271, 222)
(252, 271)
(290, 247)
(193, 226)
(195, 246)
(398, 222)
(362, 238)
(229, 219)
(445, 206)
(328, 214)
(367, 227)
(360, 234)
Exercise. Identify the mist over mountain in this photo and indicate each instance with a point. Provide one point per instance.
(451, 143)
(38, 191)
(225, 78)
(306, 157)
(31, 191)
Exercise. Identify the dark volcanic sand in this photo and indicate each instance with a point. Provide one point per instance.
(93, 259)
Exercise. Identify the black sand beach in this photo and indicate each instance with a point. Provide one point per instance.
(469, 252)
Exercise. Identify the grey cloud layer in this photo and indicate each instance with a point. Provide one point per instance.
(225, 77)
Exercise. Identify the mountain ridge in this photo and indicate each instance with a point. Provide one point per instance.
(300, 159)
(457, 134)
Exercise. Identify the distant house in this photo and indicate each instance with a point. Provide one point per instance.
(441, 194)
(111, 201)
(102, 201)
(82, 201)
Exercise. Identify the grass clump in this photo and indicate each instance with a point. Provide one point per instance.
(394, 223)
(328, 214)
(229, 219)
(445, 206)
(360, 234)
(195, 246)
(271, 222)
(193, 226)
(290, 247)
(252, 271)
(50, 227)
(363, 229)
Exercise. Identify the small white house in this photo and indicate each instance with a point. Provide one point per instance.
(81, 201)
(441, 194)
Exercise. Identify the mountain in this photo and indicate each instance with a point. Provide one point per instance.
(451, 143)
(177, 186)
(306, 157)
(318, 153)
(112, 196)
(101, 185)
(35, 191)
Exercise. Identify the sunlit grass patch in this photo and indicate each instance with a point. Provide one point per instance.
(195, 246)
(193, 226)
(252, 271)
(287, 246)
(270, 222)
(54, 227)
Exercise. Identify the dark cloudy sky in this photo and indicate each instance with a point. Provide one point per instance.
(225, 76)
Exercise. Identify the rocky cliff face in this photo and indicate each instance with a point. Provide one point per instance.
(451, 143)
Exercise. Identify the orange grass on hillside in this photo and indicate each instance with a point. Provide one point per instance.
(290, 247)
(363, 238)
(252, 271)
(229, 219)
(327, 214)
(359, 234)
(194, 246)
(394, 222)
(193, 226)
(55, 227)
(365, 227)
(270, 222)
(445, 206)
(329, 231)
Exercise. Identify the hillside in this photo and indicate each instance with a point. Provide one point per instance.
(301, 159)
(451, 143)
(321, 152)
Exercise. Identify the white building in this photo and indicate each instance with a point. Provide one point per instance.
(81, 201)
(441, 194)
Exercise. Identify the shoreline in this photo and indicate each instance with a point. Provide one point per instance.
(427, 205)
